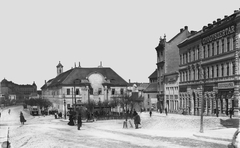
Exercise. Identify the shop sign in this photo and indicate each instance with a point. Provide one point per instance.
(225, 85)
(220, 34)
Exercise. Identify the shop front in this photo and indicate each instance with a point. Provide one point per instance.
(225, 97)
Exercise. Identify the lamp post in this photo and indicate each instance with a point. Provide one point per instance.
(64, 101)
(202, 101)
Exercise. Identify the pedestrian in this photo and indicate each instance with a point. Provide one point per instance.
(231, 113)
(79, 121)
(134, 113)
(166, 111)
(22, 119)
(9, 111)
(150, 113)
(55, 115)
(137, 120)
(0, 114)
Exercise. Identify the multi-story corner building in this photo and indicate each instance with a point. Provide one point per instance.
(81, 85)
(167, 70)
(16, 91)
(210, 67)
(151, 92)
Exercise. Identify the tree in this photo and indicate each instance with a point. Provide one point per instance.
(39, 102)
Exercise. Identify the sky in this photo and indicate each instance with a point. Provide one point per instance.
(122, 34)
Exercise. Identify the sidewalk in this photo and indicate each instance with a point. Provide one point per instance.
(224, 134)
(3, 133)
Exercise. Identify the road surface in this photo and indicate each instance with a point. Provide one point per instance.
(48, 132)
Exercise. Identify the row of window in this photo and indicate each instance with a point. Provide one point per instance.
(91, 92)
(171, 97)
(215, 48)
(172, 89)
(211, 71)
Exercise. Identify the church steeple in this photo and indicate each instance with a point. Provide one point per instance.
(59, 68)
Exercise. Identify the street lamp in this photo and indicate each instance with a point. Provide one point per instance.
(64, 101)
(202, 102)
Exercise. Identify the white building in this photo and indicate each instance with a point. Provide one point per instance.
(89, 84)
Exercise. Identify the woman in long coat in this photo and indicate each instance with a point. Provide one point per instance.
(22, 119)
(137, 120)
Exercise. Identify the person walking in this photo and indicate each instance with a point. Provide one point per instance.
(9, 111)
(79, 121)
(137, 120)
(166, 111)
(22, 119)
(231, 113)
(150, 113)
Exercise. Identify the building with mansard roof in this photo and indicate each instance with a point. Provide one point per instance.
(80, 85)
(209, 68)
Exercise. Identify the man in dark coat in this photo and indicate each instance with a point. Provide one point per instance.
(137, 120)
(22, 119)
(79, 121)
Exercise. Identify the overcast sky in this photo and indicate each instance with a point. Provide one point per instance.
(123, 34)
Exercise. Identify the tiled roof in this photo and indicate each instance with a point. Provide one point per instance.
(152, 88)
(68, 77)
(143, 86)
(153, 75)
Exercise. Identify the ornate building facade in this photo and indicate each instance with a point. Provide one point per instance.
(210, 68)
(81, 85)
(167, 70)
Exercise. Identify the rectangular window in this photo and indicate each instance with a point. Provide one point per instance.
(99, 91)
(204, 51)
(121, 91)
(228, 44)
(77, 91)
(68, 91)
(113, 91)
(208, 50)
(217, 52)
(68, 105)
(222, 45)
(213, 53)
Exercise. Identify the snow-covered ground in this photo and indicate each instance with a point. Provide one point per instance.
(156, 131)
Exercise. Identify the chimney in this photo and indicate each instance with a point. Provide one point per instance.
(181, 30)
(218, 20)
(45, 82)
(79, 64)
(209, 24)
(74, 64)
(186, 27)
(129, 81)
(100, 66)
(235, 11)
(225, 16)
(214, 22)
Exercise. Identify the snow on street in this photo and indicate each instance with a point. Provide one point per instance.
(48, 132)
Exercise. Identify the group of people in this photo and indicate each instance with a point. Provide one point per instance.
(75, 116)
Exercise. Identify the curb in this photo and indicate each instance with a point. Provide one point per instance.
(213, 138)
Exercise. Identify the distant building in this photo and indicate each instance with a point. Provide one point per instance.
(209, 68)
(80, 85)
(16, 91)
(151, 92)
(136, 92)
(167, 70)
